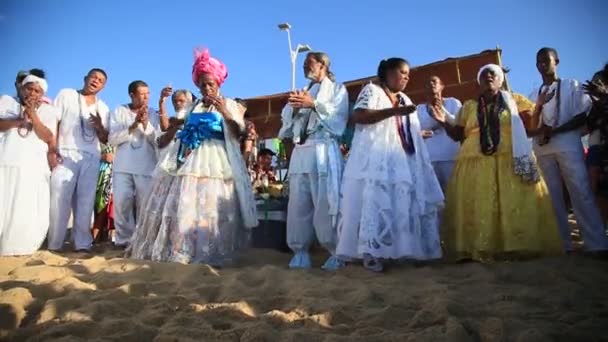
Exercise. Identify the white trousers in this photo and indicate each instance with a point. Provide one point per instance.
(570, 167)
(129, 193)
(73, 185)
(308, 213)
(443, 171)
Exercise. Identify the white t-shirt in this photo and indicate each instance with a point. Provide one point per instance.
(75, 132)
(25, 151)
(440, 146)
(573, 101)
(135, 153)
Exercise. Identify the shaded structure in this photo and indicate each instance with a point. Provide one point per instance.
(459, 75)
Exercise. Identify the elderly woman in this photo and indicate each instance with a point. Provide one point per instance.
(201, 203)
(390, 195)
(498, 205)
(27, 128)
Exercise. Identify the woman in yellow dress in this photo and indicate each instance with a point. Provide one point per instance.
(497, 204)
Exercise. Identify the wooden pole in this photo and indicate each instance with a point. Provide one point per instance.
(269, 111)
(499, 62)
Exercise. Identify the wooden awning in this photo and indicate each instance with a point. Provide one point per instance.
(458, 74)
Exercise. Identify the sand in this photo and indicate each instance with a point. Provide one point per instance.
(78, 297)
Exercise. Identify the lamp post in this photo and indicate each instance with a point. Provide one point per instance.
(293, 53)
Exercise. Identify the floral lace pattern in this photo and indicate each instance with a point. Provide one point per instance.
(390, 223)
(190, 219)
(389, 199)
(526, 168)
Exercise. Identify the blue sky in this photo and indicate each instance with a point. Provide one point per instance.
(153, 40)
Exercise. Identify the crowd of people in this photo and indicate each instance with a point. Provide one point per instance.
(481, 180)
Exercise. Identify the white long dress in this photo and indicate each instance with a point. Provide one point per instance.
(200, 211)
(24, 182)
(389, 199)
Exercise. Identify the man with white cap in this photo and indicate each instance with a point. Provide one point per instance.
(81, 130)
(27, 128)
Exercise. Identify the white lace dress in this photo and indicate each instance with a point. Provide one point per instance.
(389, 199)
(192, 213)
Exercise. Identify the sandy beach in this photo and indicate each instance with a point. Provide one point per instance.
(78, 297)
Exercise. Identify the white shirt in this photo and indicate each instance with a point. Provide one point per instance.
(328, 118)
(573, 101)
(440, 146)
(135, 153)
(28, 151)
(75, 132)
(312, 122)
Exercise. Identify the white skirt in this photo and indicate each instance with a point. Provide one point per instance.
(385, 221)
(24, 209)
(189, 219)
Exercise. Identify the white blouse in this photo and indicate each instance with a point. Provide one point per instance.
(209, 159)
(25, 151)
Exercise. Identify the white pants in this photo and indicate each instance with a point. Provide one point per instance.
(570, 166)
(129, 193)
(73, 185)
(443, 171)
(308, 213)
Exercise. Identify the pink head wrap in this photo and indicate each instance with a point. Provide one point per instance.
(205, 64)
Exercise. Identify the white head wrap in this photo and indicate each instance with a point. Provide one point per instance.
(35, 79)
(496, 69)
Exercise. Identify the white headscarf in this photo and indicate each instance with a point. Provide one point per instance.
(497, 70)
(35, 79)
(524, 163)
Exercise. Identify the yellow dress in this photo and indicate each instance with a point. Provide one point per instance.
(491, 214)
(523, 103)
(525, 107)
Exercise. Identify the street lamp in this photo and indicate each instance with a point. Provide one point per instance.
(293, 53)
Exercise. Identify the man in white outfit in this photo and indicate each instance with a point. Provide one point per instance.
(133, 128)
(442, 149)
(84, 118)
(315, 119)
(563, 107)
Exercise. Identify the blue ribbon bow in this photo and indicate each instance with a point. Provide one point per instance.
(200, 127)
